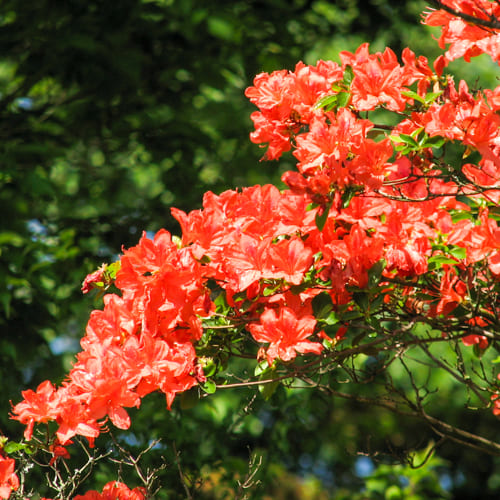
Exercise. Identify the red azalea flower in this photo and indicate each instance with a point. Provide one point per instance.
(8, 479)
(114, 491)
(286, 332)
(40, 406)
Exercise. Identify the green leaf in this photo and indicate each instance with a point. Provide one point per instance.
(112, 269)
(478, 352)
(209, 366)
(458, 252)
(467, 200)
(261, 368)
(348, 75)
(343, 99)
(322, 305)
(375, 272)
(437, 261)
(13, 447)
(458, 215)
(413, 95)
(322, 216)
(222, 28)
(361, 299)
(5, 299)
(177, 241)
(327, 102)
(209, 386)
(267, 390)
(331, 319)
(271, 290)
(402, 147)
(350, 315)
(11, 238)
(393, 493)
(416, 132)
(432, 96)
(349, 194)
(407, 142)
(434, 142)
(408, 139)
(395, 138)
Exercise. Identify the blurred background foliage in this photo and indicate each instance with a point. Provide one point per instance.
(110, 113)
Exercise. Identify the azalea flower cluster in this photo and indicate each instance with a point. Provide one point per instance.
(365, 196)
(140, 342)
(333, 143)
(466, 39)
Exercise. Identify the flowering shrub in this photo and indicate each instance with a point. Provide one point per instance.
(377, 232)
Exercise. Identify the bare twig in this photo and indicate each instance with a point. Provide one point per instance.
(441, 428)
(249, 481)
(177, 455)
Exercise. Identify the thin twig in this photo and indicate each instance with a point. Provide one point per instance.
(491, 23)
(177, 454)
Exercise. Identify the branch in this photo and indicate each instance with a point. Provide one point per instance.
(149, 477)
(463, 380)
(177, 455)
(249, 481)
(441, 428)
(491, 23)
